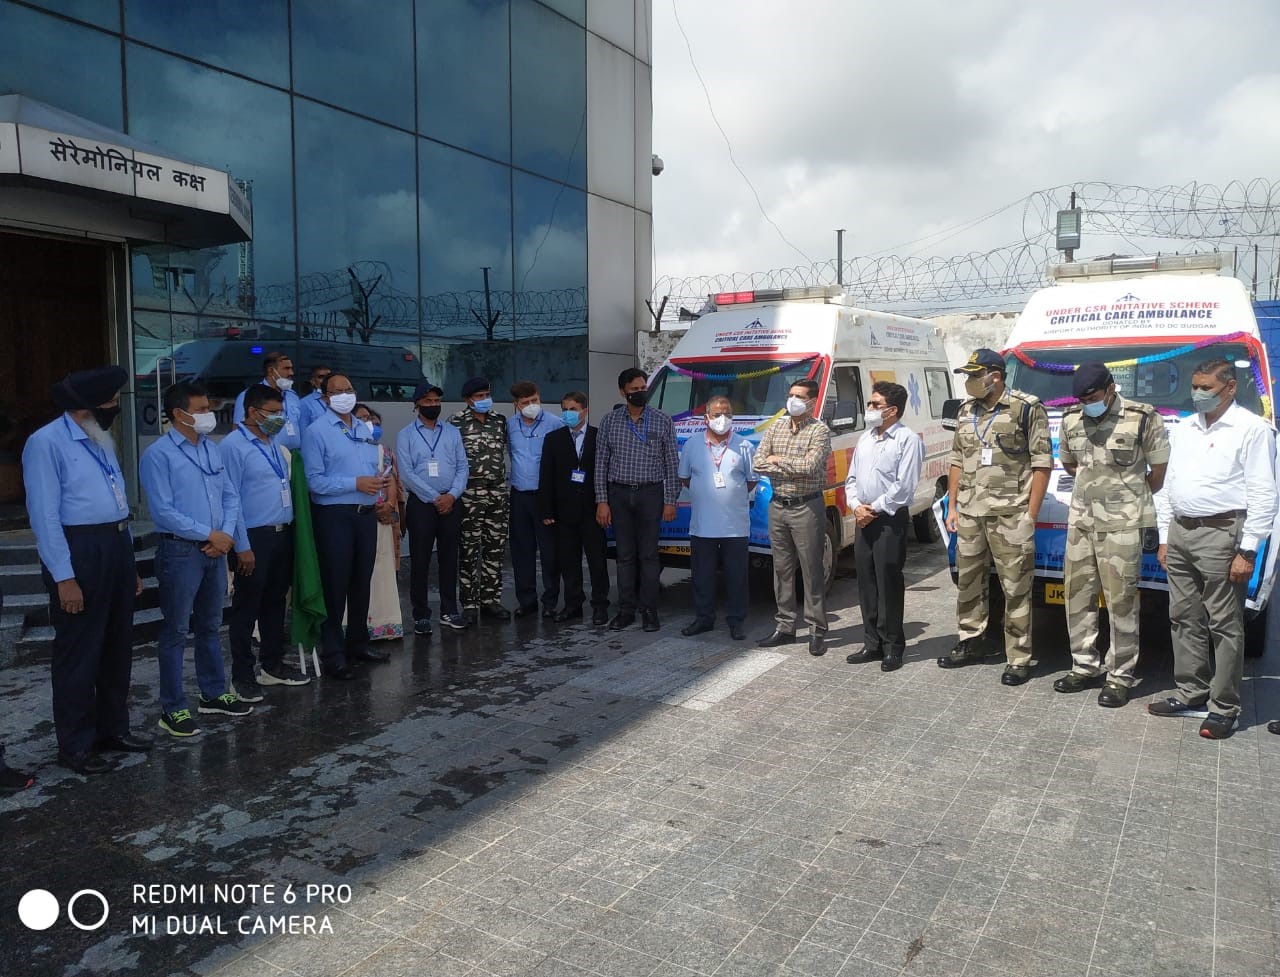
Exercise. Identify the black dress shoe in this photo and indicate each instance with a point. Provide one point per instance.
(891, 663)
(621, 621)
(128, 743)
(549, 612)
(737, 633)
(1015, 674)
(496, 610)
(371, 656)
(85, 763)
(818, 644)
(570, 614)
(967, 652)
(343, 673)
(599, 616)
(696, 627)
(777, 639)
(650, 619)
(526, 609)
(864, 656)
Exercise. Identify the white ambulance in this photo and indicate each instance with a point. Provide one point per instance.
(755, 344)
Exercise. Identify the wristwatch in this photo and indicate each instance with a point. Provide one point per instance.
(1248, 555)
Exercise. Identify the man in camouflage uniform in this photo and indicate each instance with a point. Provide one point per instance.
(486, 507)
(999, 469)
(1107, 443)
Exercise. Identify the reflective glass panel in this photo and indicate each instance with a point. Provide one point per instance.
(548, 93)
(248, 36)
(357, 55)
(357, 247)
(104, 13)
(464, 76)
(74, 68)
(464, 206)
(551, 280)
(220, 120)
(576, 9)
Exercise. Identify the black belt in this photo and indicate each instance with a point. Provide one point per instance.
(634, 485)
(791, 501)
(278, 527)
(182, 539)
(360, 510)
(525, 491)
(1219, 519)
(96, 528)
(485, 483)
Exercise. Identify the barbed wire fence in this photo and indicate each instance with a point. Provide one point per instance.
(1241, 218)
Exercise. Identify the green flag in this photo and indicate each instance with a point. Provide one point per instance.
(308, 595)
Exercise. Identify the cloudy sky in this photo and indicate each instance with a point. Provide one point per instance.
(897, 120)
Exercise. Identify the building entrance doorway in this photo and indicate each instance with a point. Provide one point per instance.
(55, 317)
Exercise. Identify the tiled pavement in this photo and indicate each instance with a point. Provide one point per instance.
(536, 800)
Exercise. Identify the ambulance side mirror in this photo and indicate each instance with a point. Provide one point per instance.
(950, 411)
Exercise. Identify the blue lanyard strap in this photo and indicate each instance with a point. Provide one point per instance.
(431, 445)
(210, 471)
(982, 438)
(531, 427)
(640, 433)
(273, 459)
(99, 456)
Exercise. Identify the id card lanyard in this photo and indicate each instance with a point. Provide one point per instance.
(104, 465)
(987, 453)
(277, 466)
(717, 479)
(579, 475)
(433, 466)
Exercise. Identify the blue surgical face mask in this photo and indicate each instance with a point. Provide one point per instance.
(377, 431)
(570, 418)
(482, 406)
(1095, 409)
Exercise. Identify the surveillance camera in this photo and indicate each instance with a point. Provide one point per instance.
(658, 165)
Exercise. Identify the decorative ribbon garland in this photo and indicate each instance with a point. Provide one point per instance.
(730, 377)
(1255, 363)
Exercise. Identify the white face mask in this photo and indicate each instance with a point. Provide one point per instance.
(203, 423)
(720, 424)
(343, 403)
(874, 418)
(797, 406)
(284, 383)
(531, 411)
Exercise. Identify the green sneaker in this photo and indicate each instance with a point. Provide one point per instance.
(179, 723)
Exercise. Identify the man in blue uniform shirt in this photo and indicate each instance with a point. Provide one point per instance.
(75, 499)
(341, 462)
(313, 405)
(262, 560)
(277, 371)
(716, 468)
(195, 508)
(433, 466)
(531, 539)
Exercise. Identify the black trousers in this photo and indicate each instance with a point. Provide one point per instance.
(707, 554)
(531, 542)
(347, 544)
(93, 650)
(429, 530)
(879, 552)
(637, 521)
(574, 540)
(259, 599)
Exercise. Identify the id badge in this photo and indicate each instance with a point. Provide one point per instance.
(578, 476)
(433, 469)
(118, 495)
(718, 480)
(986, 456)
(289, 429)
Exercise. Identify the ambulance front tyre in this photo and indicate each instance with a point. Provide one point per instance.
(926, 527)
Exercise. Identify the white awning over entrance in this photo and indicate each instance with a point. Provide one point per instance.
(159, 197)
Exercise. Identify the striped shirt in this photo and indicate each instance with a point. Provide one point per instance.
(637, 453)
(803, 448)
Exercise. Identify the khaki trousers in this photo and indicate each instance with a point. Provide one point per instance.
(797, 536)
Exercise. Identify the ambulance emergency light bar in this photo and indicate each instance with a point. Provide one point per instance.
(1111, 267)
(776, 295)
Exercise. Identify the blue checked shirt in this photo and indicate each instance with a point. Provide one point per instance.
(636, 454)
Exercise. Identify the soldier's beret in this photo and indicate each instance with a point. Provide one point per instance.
(980, 361)
(88, 388)
(1090, 378)
(426, 387)
(474, 385)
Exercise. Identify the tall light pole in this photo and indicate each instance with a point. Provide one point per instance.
(840, 256)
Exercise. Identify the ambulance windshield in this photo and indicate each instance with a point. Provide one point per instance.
(750, 393)
(1164, 383)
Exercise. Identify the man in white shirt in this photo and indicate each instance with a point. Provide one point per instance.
(1217, 508)
(886, 469)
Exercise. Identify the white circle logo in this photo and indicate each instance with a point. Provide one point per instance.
(38, 909)
(71, 909)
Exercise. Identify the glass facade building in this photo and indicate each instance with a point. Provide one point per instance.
(438, 187)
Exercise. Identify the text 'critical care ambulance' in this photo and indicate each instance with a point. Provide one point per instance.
(755, 344)
(1151, 320)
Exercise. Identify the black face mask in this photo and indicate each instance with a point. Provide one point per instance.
(429, 412)
(638, 398)
(105, 416)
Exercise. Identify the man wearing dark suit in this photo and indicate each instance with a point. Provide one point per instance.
(566, 501)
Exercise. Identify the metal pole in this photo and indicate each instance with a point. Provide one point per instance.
(1255, 272)
(1070, 253)
(840, 256)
